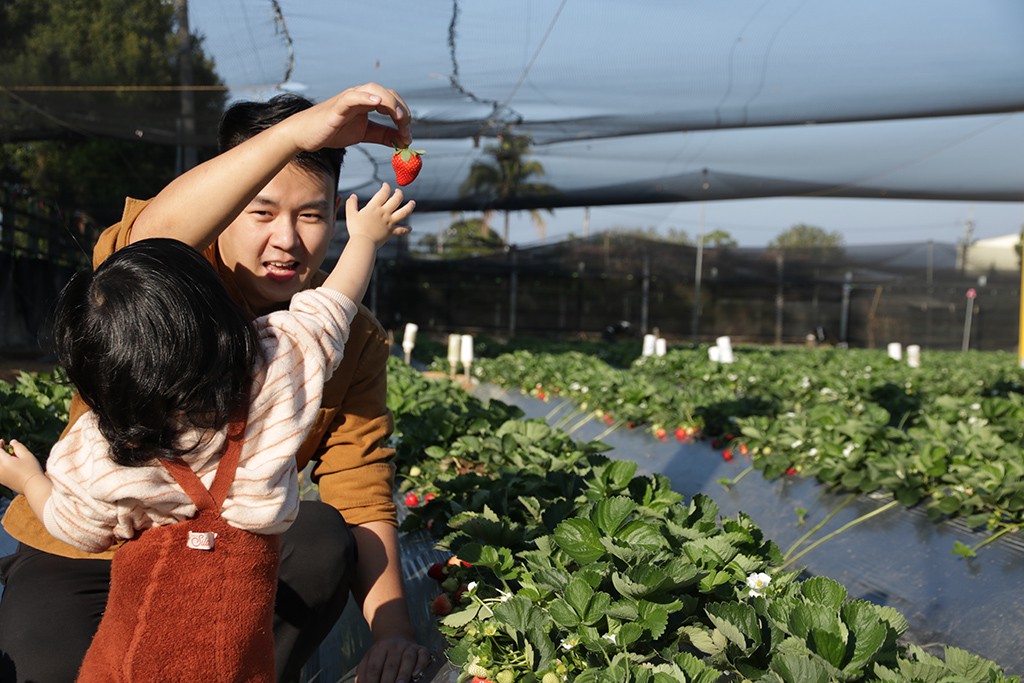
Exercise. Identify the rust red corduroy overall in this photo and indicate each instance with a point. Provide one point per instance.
(180, 614)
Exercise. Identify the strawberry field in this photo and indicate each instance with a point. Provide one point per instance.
(862, 437)
(574, 558)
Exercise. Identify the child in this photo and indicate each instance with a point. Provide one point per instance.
(167, 362)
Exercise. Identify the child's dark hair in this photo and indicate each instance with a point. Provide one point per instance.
(155, 345)
(244, 120)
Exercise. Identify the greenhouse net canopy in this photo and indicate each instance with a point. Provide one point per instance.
(638, 102)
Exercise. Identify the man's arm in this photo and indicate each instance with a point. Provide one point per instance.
(355, 475)
(224, 185)
(395, 655)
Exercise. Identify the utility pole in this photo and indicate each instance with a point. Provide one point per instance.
(967, 240)
(695, 321)
(187, 156)
(586, 222)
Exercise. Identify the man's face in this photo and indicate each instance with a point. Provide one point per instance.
(275, 246)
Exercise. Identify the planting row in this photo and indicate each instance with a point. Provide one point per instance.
(946, 436)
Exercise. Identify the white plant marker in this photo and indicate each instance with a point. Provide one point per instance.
(409, 340)
(466, 353)
(454, 342)
(660, 346)
(895, 351)
(724, 345)
(649, 341)
(914, 356)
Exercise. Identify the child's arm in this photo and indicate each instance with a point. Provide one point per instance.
(368, 229)
(223, 186)
(22, 473)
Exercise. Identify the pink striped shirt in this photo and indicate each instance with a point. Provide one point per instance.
(96, 502)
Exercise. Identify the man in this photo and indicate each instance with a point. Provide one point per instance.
(264, 212)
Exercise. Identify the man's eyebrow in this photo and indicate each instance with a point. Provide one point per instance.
(319, 204)
(263, 201)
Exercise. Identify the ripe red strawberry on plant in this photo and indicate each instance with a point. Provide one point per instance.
(438, 571)
(442, 605)
(412, 500)
(407, 164)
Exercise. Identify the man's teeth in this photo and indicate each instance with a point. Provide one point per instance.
(282, 264)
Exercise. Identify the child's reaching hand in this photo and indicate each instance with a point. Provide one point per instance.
(17, 465)
(379, 220)
(22, 473)
(368, 229)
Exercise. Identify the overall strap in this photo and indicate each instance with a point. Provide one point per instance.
(212, 499)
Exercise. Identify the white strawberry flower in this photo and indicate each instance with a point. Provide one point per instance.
(757, 582)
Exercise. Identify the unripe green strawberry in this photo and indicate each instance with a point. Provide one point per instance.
(407, 164)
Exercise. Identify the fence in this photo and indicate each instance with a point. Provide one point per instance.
(39, 251)
(863, 296)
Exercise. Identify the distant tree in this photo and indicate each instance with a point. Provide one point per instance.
(678, 236)
(673, 235)
(88, 47)
(719, 238)
(803, 236)
(506, 177)
(464, 238)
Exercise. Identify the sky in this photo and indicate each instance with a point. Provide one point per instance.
(236, 35)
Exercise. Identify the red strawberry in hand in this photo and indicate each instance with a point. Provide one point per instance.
(407, 164)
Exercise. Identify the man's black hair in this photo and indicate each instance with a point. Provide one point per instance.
(244, 120)
(155, 345)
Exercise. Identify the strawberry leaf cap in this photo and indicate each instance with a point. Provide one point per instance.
(407, 153)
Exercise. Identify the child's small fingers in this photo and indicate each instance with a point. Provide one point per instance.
(404, 212)
(395, 200)
(381, 196)
(19, 449)
(351, 206)
(400, 230)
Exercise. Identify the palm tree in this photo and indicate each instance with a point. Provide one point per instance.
(505, 177)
